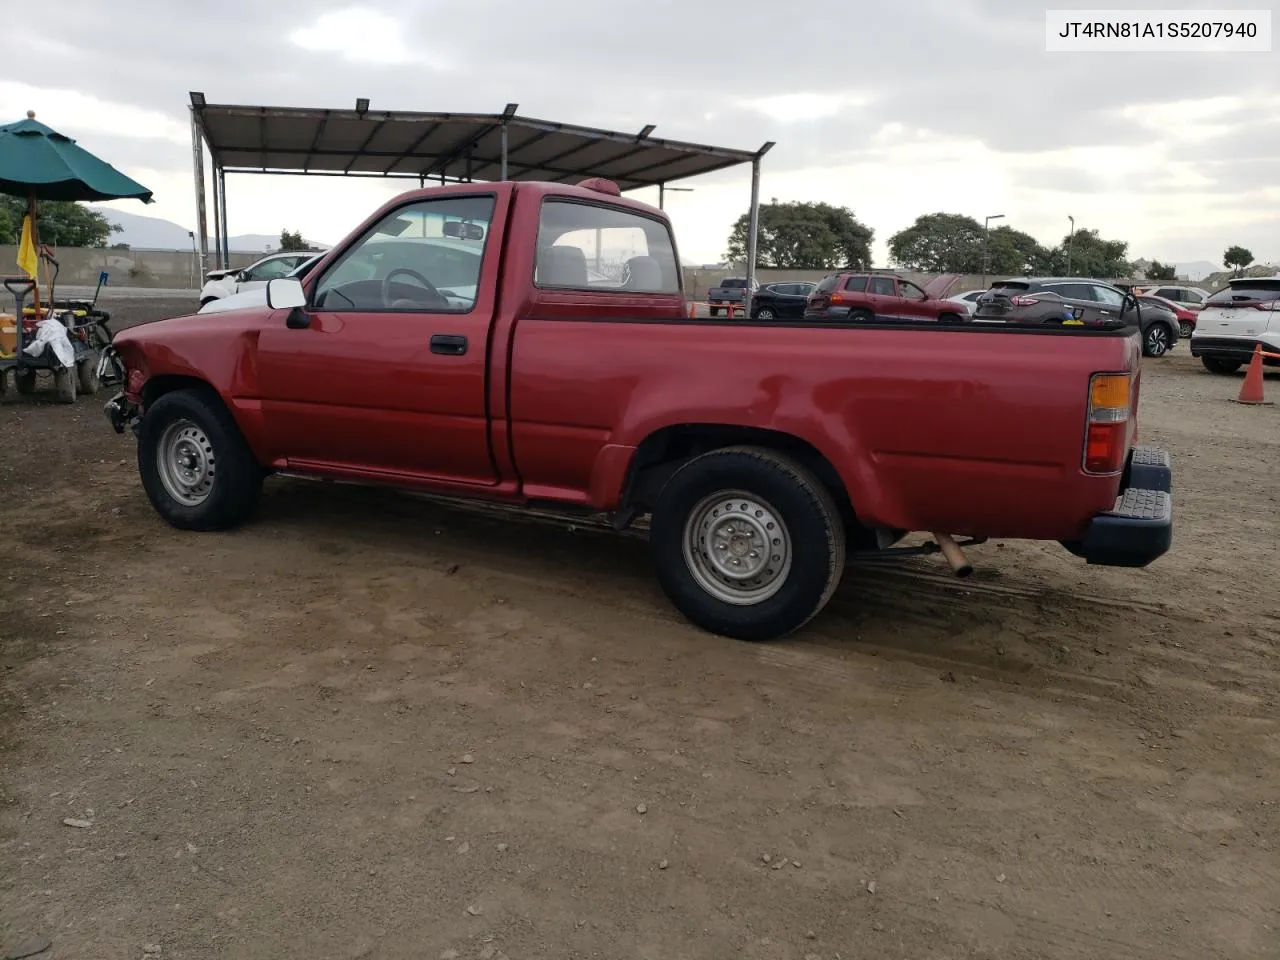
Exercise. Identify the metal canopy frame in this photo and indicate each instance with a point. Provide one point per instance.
(443, 147)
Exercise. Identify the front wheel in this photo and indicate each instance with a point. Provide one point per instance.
(1185, 329)
(196, 468)
(765, 313)
(1218, 365)
(747, 543)
(87, 375)
(65, 381)
(1158, 340)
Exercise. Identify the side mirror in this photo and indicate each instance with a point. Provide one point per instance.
(285, 293)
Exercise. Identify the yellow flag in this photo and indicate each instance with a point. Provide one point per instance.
(27, 259)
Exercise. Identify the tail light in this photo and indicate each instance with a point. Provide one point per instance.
(1106, 442)
(836, 298)
(1023, 301)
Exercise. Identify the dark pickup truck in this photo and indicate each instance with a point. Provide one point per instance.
(456, 343)
(730, 296)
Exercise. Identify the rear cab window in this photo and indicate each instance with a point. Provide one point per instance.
(590, 246)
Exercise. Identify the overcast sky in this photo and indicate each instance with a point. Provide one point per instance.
(910, 108)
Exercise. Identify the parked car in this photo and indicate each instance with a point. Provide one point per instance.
(730, 294)
(255, 295)
(1191, 298)
(1235, 320)
(1076, 300)
(968, 299)
(863, 297)
(810, 441)
(781, 300)
(1185, 317)
(225, 283)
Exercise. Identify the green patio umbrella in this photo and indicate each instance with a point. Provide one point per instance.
(41, 164)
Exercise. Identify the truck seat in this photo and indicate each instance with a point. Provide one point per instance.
(562, 267)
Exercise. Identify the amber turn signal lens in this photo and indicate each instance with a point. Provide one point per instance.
(1108, 391)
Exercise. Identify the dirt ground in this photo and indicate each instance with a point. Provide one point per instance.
(368, 725)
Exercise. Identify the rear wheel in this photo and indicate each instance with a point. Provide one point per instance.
(747, 543)
(1219, 365)
(765, 313)
(715, 311)
(1185, 329)
(861, 316)
(1158, 340)
(196, 468)
(25, 380)
(87, 375)
(6, 383)
(64, 382)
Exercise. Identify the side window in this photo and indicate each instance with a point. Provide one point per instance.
(1072, 291)
(424, 257)
(856, 284)
(883, 287)
(1175, 295)
(1112, 298)
(1190, 296)
(584, 246)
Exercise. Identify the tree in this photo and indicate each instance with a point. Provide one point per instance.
(1237, 258)
(1161, 271)
(1014, 253)
(1086, 254)
(939, 243)
(60, 223)
(809, 235)
(292, 240)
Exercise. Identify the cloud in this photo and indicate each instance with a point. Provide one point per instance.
(899, 110)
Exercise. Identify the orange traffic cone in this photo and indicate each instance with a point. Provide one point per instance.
(1251, 389)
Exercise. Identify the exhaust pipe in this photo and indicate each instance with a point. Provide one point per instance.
(960, 564)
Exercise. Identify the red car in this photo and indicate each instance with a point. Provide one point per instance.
(1186, 318)
(863, 297)
(457, 343)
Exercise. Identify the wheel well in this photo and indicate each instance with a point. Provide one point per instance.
(157, 387)
(662, 453)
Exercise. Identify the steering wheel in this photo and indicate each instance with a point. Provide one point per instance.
(430, 287)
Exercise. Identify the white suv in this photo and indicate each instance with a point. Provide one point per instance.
(1236, 320)
(224, 283)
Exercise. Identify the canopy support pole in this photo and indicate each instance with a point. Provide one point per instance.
(662, 195)
(217, 217)
(504, 149)
(753, 227)
(222, 215)
(202, 221)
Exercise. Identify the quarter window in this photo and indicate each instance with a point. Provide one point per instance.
(856, 284)
(585, 246)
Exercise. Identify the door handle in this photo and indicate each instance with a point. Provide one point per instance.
(449, 344)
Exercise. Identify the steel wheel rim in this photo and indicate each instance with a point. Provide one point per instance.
(1157, 341)
(737, 547)
(186, 463)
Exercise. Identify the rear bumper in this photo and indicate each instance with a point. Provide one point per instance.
(1233, 348)
(1139, 528)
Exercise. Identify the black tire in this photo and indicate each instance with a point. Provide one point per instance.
(1219, 365)
(715, 311)
(6, 383)
(950, 318)
(25, 381)
(87, 375)
(861, 316)
(64, 382)
(1158, 340)
(765, 313)
(804, 512)
(233, 478)
(1185, 329)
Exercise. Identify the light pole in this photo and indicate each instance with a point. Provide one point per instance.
(986, 245)
(1070, 237)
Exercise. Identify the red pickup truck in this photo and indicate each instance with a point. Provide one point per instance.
(529, 343)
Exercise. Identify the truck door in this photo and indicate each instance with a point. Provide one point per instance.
(388, 377)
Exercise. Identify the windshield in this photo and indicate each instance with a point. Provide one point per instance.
(1248, 291)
